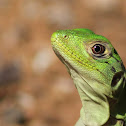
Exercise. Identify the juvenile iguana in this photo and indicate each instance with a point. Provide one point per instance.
(98, 74)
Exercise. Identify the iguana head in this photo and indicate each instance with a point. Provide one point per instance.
(95, 67)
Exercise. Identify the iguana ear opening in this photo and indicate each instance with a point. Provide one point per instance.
(95, 114)
(118, 83)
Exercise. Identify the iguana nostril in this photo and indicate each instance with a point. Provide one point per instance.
(116, 78)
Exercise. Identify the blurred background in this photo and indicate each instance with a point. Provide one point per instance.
(35, 88)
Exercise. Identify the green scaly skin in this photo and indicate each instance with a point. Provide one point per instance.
(99, 77)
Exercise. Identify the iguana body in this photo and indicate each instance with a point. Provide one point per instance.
(98, 74)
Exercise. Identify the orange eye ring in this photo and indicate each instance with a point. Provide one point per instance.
(98, 49)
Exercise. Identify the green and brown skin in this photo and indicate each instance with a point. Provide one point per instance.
(98, 74)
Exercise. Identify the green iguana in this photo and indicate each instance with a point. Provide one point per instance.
(98, 74)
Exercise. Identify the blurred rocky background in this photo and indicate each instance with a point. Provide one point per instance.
(35, 88)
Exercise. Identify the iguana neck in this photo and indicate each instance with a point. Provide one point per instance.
(92, 101)
(95, 101)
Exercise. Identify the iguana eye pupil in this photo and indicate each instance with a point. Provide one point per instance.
(65, 36)
(98, 49)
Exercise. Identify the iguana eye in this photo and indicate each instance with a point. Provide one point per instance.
(98, 49)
